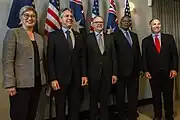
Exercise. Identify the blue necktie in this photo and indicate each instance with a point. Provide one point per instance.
(69, 39)
(128, 38)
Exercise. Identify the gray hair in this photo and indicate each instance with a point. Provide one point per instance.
(25, 9)
(63, 10)
(97, 17)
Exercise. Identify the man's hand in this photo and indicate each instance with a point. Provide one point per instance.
(148, 75)
(172, 74)
(114, 79)
(84, 81)
(55, 85)
(11, 91)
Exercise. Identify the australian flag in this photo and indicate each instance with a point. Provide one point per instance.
(112, 24)
(13, 20)
(77, 7)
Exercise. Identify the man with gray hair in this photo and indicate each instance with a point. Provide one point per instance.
(102, 68)
(66, 66)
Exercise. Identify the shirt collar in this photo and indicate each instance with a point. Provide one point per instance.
(65, 29)
(97, 33)
(124, 31)
(153, 34)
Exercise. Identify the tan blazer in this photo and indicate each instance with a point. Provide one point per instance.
(18, 59)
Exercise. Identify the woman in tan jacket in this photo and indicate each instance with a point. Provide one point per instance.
(23, 69)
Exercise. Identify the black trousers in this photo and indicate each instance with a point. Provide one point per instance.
(23, 106)
(72, 91)
(132, 84)
(99, 92)
(162, 85)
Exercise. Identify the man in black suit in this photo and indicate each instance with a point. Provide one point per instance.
(160, 64)
(66, 66)
(128, 62)
(102, 68)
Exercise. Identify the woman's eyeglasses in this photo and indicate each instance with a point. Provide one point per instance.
(26, 16)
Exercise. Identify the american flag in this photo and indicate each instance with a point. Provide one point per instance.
(95, 11)
(112, 25)
(52, 20)
(77, 7)
(127, 11)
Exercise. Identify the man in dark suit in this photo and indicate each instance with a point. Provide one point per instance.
(128, 62)
(102, 68)
(66, 66)
(160, 64)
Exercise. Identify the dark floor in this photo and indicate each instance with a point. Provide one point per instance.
(112, 114)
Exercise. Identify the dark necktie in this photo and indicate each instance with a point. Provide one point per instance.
(100, 43)
(157, 43)
(69, 39)
(128, 38)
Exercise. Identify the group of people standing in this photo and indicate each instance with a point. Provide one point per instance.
(96, 60)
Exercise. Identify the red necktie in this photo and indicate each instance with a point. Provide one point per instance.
(157, 43)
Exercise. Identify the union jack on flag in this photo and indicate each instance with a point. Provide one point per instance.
(95, 11)
(112, 25)
(52, 19)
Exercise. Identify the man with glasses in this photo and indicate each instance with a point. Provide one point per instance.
(128, 60)
(66, 66)
(102, 69)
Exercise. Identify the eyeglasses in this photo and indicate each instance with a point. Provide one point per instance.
(26, 16)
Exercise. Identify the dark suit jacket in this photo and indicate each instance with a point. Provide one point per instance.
(128, 58)
(97, 62)
(62, 61)
(167, 59)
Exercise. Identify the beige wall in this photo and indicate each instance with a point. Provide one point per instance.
(140, 17)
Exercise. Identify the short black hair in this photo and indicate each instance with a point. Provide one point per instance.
(125, 17)
(153, 20)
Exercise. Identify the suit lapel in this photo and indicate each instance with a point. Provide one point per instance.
(94, 43)
(132, 38)
(105, 43)
(125, 39)
(162, 42)
(24, 35)
(26, 40)
(75, 39)
(62, 39)
(39, 44)
(62, 35)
